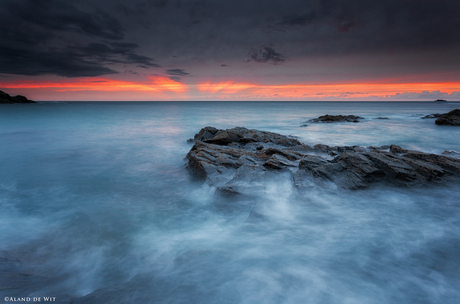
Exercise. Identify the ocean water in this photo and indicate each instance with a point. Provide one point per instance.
(97, 206)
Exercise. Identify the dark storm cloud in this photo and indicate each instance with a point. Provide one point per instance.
(55, 15)
(69, 38)
(52, 61)
(158, 3)
(175, 78)
(267, 53)
(33, 38)
(373, 24)
(296, 19)
(340, 14)
(113, 53)
(222, 30)
(177, 72)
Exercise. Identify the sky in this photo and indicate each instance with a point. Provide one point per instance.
(294, 50)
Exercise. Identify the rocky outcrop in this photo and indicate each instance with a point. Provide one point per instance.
(336, 118)
(239, 159)
(451, 119)
(354, 170)
(6, 98)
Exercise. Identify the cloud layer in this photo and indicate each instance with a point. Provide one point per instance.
(97, 37)
(55, 37)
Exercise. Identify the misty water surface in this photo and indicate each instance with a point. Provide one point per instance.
(96, 206)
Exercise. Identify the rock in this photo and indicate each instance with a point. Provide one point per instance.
(6, 98)
(230, 158)
(238, 160)
(431, 116)
(451, 119)
(336, 118)
(244, 136)
(354, 170)
(382, 118)
(397, 149)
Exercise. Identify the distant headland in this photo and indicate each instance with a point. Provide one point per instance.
(6, 98)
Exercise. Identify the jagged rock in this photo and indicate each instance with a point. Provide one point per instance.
(397, 149)
(336, 118)
(431, 116)
(451, 119)
(224, 156)
(6, 98)
(237, 160)
(243, 136)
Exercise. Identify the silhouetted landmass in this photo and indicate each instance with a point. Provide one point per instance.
(336, 118)
(6, 98)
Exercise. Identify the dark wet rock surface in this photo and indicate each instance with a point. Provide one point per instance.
(450, 119)
(382, 118)
(336, 118)
(239, 159)
(6, 98)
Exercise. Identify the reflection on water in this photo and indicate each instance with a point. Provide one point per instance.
(96, 207)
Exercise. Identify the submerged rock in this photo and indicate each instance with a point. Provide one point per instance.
(239, 159)
(336, 118)
(451, 119)
(437, 115)
(6, 98)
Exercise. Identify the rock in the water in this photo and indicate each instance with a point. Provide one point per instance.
(237, 160)
(437, 115)
(382, 118)
(6, 98)
(354, 170)
(451, 119)
(337, 118)
(244, 136)
(232, 158)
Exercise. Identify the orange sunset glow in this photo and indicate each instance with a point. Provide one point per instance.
(156, 83)
(349, 90)
(159, 87)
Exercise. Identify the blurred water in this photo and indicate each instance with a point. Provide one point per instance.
(96, 206)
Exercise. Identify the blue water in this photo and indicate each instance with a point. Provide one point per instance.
(96, 206)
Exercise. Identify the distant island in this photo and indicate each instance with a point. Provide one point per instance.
(6, 98)
(440, 100)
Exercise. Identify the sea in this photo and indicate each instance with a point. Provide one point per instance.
(97, 206)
